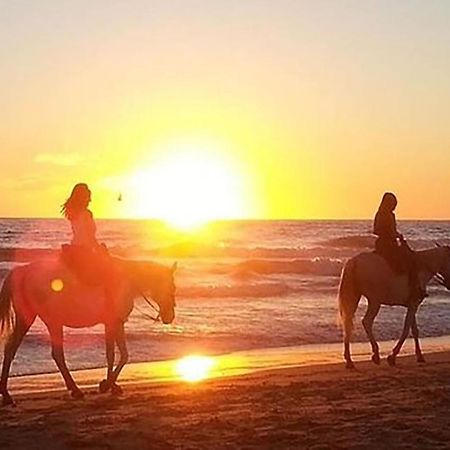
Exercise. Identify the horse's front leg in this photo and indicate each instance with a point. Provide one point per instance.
(110, 339)
(56, 336)
(415, 333)
(409, 318)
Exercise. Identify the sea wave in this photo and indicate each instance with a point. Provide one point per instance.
(196, 250)
(315, 266)
(356, 241)
(368, 242)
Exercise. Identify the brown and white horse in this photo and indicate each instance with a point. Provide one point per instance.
(369, 275)
(49, 290)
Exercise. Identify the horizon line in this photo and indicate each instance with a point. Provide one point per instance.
(302, 219)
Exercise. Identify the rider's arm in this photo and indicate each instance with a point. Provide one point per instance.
(385, 225)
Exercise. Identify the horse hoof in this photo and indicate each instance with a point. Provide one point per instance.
(349, 365)
(391, 360)
(116, 389)
(104, 386)
(77, 394)
(421, 360)
(376, 359)
(8, 400)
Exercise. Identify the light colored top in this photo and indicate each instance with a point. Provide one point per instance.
(84, 229)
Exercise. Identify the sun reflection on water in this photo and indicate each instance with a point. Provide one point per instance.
(194, 368)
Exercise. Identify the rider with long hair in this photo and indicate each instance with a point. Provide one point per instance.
(88, 258)
(385, 227)
(75, 209)
(392, 246)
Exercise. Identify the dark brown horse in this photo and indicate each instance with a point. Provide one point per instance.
(48, 289)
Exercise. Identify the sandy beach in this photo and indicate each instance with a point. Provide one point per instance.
(317, 405)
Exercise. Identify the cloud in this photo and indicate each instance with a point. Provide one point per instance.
(58, 159)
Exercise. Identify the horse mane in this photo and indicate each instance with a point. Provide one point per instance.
(428, 254)
(143, 271)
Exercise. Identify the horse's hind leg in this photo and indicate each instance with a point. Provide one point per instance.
(56, 336)
(369, 317)
(415, 333)
(21, 328)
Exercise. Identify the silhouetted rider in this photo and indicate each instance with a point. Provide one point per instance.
(392, 246)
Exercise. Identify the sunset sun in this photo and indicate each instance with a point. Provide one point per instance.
(188, 187)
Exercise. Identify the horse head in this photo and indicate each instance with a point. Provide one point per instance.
(443, 275)
(158, 281)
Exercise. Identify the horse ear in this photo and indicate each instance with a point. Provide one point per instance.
(174, 266)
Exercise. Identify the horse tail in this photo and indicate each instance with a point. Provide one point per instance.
(7, 314)
(349, 295)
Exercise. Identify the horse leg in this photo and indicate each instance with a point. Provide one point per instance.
(122, 346)
(110, 337)
(369, 317)
(57, 338)
(347, 354)
(410, 315)
(415, 333)
(12, 344)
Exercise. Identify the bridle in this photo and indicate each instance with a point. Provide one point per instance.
(149, 302)
(439, 277)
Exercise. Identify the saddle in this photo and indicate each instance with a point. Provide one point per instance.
(402, 259)
(91, 266)
(399, 257)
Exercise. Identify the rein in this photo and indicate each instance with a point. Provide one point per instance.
(144, 314)
(435, 274)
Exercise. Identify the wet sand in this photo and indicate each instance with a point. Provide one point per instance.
(317, 405)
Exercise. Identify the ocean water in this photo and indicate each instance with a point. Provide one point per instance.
(240, 285)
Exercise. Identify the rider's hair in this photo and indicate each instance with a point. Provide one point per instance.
(388, 202)
(77, 202)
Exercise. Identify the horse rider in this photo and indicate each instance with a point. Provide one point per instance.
(392, 246)
(88, 258)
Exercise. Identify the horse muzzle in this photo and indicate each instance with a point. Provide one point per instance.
(167, 317)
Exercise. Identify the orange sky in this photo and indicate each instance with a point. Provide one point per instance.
(316, 108)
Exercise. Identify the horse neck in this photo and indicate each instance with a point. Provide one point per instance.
(433, 259)
(145, 272)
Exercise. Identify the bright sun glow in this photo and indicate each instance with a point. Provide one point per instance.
(188, 186)
(194, 367)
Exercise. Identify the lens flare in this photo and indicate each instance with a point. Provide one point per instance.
(194, 368)
(57, 285)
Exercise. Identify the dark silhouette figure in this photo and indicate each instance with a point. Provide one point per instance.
(85, 256)
(392, 245)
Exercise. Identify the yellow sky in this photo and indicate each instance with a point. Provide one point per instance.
(317, 107)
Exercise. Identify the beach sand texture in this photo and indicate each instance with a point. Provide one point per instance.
(313, 406)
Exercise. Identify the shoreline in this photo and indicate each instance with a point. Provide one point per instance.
(224, 365)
